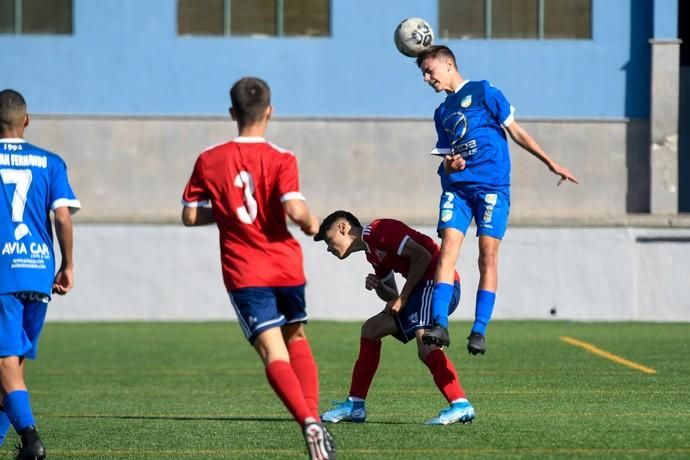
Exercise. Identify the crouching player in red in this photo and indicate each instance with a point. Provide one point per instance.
(391, 246)
(247, 187)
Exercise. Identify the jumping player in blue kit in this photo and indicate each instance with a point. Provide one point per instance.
(33, 182)
(475, 181)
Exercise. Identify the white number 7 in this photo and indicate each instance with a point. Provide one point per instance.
(22, 180)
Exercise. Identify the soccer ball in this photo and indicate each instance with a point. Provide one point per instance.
(412, 36)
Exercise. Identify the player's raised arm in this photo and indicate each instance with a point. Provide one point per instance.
(64, 280)
(527, 142)
(298, 212)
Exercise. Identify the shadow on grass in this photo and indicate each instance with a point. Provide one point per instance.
(197, 418)
(171, 417)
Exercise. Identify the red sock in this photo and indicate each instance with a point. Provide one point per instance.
(445, 376)
(284, 382)
(365, 367)
(307, 373)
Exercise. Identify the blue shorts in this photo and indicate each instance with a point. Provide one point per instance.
(417, 311)
(261, 308)
(21, 320)
(488, 205)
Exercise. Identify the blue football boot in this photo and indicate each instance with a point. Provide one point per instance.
(461, 411)
(345, 411)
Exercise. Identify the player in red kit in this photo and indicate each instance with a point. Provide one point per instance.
(247, 187)
(393, 247)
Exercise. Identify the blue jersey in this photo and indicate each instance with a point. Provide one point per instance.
(470, 123)
(32, 182)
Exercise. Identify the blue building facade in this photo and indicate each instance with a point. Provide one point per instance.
(591, 100)
(125, 57)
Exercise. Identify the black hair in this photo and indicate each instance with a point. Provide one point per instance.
(250, 96)
(331, 218)
(12, 109)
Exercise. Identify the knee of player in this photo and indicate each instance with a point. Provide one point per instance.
(371, 329)
(424, 350)
(8, 363)
(293, 332)
(488, 259)
(366, 330)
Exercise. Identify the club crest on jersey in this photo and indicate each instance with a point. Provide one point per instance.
(380, 254)
(466, 101)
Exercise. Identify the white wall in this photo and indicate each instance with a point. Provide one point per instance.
(168, 272)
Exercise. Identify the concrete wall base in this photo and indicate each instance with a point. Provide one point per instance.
(167, 272)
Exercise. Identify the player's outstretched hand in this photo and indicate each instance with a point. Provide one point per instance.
(372, 282)
(564, 173)
(453, 163)
(63, 281)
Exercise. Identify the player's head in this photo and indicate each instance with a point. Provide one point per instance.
(339, 230)
(251, 101)
(13, 116)
(438, 67)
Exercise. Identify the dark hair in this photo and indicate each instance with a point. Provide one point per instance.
(249, 97)
(12, 109)
(436, 51)
(331, 218)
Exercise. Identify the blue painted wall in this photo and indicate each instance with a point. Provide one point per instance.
(125, 58)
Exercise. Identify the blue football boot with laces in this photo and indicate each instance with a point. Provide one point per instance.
(345, 411)
(461, 411)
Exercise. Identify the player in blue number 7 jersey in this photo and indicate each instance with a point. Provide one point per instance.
(33, 182)
(475, 179)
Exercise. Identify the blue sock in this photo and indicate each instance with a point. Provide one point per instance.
(483, 310)
(440, 300)
(18, 409)
(4, 426)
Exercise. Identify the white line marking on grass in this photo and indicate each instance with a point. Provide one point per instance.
(605, 354)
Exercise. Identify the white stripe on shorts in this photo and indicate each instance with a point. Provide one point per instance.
(425, 310)
(243, 324)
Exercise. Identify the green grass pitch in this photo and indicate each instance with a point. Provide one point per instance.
(197, 390)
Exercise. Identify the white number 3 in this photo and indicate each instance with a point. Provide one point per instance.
(246, 213)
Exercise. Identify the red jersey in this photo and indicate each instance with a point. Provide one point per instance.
(246, 182)
(386, 238)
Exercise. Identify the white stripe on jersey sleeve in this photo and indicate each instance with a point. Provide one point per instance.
(73, 205)
(402, 244)
(510, 118)
(443, 151)
(280, 149)
(292, 196)
(196, 204)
